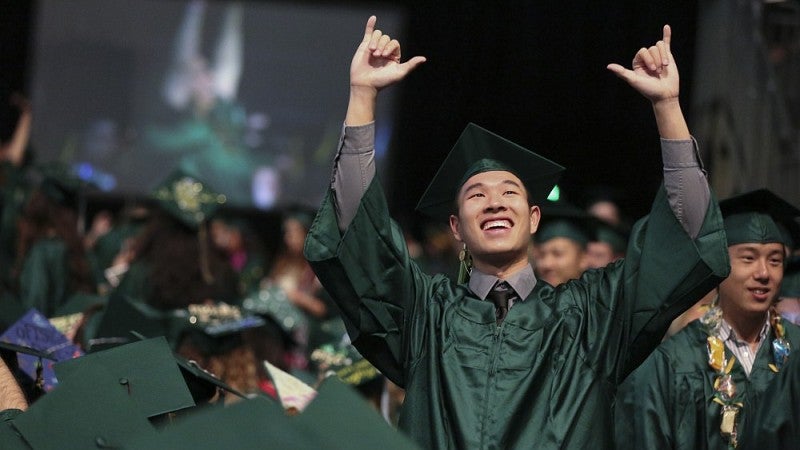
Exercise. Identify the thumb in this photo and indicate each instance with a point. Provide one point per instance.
(620, 71)
(412, 63)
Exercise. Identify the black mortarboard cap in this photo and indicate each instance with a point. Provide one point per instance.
(479, 150)
(760, 216)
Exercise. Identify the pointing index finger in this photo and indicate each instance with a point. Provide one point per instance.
(667, 35)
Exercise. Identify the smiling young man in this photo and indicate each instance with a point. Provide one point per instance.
(504, 361)
(699, 387)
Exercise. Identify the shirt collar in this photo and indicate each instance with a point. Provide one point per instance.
(523, 282)
(726, 332)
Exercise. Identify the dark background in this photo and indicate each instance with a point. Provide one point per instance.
(533, 72)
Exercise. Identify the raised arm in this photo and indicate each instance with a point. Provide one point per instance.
(654, 74)
(375, 65)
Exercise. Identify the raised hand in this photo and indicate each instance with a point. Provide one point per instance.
(654, 73)
(376, 63)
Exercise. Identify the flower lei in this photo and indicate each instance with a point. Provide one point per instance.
(724, 387)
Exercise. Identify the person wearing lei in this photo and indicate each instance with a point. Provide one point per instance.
(698, 389)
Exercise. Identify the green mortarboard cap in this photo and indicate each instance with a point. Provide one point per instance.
(562, 219)
(257, 423)
(760, 217)
(272, 303)
(612, 235)
(122, 316)
(345, 362)
(90, 410)
(342, 417)
(145, 370)
(186, 198)
(213, 328)
(477, 151)
(790, 285)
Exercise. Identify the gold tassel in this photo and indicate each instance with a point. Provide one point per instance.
(464, 265)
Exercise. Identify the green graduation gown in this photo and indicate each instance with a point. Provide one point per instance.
(546, 377)
(773, 423)
(44, 279)
(668, 401)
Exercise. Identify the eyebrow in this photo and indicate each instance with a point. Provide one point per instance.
(480, 184)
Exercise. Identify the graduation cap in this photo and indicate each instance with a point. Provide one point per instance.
(34, 331)
(187, 198)
(478, 150)
(256, 423)
(213, 328)
(760, 216)
(93, 410)
(271, 302)
(562, 219)
(145, 370)
(612, 235)
(341, 416)
(57, 181)
(345, 362)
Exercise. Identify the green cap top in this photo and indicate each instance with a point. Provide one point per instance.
(188, 199)
(760, 217)
(144, 370)
(477, 151)
(562, 219)
(346, 362)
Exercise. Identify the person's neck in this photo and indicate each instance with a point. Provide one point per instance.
(746, 326)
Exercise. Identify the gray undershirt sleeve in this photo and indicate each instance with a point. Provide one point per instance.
(684, 178)
(354, 169)
(686, 183)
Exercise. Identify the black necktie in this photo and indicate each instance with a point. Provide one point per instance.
(499, 295)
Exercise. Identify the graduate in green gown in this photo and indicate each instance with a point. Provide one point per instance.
(697, 389)
(541, 370)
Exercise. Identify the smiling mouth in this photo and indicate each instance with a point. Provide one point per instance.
(498, 224)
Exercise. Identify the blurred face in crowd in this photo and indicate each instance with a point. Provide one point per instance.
(559, 260)
(599, 254)
(754, 281)
(294, 235)
(495, 221)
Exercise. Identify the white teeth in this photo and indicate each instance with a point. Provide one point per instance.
(759, 291)
(496, 224)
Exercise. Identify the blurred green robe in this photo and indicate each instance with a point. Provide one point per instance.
(668, 401)
(547, 376)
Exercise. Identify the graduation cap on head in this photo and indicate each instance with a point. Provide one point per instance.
(34, 331)
(562, 219)
(92, 410)
(271, 302)
(478, 150)
(256, 423)
(145, 370)
(187, 198)
(344, 362)
(612, 235)
(760, 216)
(341, 416)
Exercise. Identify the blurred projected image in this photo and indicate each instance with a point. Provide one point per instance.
(237, 93)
